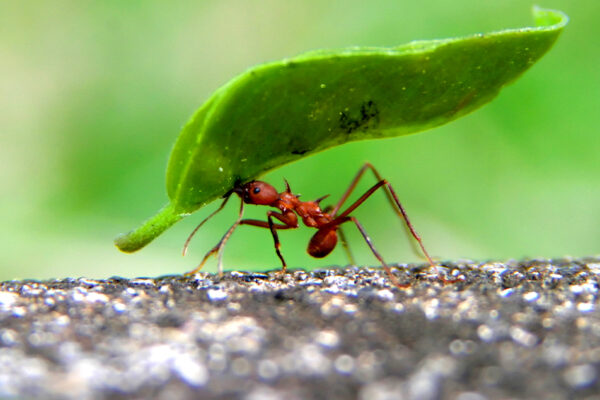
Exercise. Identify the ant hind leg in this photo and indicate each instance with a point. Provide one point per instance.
(392, 199)
(346, 247)
(343, 239)
(387, 269)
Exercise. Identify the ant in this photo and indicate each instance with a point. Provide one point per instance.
(327, 222)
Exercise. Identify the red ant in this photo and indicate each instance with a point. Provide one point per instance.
(327, 222)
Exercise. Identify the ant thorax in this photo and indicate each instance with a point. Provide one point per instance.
(311, 214)
(287, 201)
(309, 211)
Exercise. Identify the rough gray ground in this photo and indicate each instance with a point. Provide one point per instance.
(528, 329)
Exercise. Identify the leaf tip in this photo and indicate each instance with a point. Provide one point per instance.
(546, 17)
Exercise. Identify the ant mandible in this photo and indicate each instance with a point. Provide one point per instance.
(327, 222)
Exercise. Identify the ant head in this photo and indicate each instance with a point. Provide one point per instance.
(257, 192)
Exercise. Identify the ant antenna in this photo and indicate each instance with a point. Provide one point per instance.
(187, 242)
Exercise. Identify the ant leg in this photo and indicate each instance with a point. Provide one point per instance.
(343, 239)
(270, 215)
(352, 186)
(273, 228)
(392, 199)
(367, 194)
(206, 256)
(354, 182)
(340, 220)
(383, 183)
(343, 217)
(220, 246)
(378, 256)
(263, 224)
(187, 242)
(344, 242)
(410, 226)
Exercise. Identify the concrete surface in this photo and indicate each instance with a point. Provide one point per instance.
(503, 330)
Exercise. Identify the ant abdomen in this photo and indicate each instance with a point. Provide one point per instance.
(322, 243)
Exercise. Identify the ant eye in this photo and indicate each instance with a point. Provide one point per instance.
(256, 190)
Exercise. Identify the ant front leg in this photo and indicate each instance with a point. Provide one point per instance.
(219, 246)
(270, 216)
(290, 221)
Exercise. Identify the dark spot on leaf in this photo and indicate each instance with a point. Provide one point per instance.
(299, 145)
(348, 124)
(367, 117)
(368, 111)
(299, 152)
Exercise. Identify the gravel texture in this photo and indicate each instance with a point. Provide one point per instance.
(503, 330)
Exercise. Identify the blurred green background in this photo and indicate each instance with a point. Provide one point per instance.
(94, 95)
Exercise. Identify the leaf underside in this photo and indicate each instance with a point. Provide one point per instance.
(279, 112)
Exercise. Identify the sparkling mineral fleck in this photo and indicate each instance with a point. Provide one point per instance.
(216, 294)
(580, 376)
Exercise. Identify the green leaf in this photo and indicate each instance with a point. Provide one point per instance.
(278, 112)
